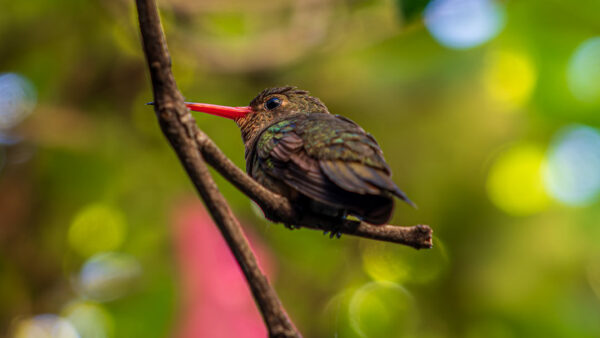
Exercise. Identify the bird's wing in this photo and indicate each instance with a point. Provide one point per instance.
(280, 154)
(351, 157)
(324, 157)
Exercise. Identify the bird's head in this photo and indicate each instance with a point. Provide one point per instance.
(268, 107)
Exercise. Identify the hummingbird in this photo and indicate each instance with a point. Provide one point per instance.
(323, 163)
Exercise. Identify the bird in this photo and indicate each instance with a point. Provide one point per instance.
(323, 163)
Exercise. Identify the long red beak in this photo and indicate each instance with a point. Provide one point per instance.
(223, 111)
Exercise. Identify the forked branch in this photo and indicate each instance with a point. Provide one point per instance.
(194, 147)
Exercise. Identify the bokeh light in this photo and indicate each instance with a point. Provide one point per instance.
(393, 263)
(462, 24)
(333, 314)
(89, 319)
(509, 77)
(45, 326)
(584, 71)
(379, 308)
(97, 228)
(515, 182)
(572, 172)
(109, 276)
(384, 264)
(17, 99)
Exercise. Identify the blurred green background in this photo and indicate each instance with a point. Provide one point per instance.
(487, 111)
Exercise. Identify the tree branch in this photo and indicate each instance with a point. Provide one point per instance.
(193, 147)
(180, 129)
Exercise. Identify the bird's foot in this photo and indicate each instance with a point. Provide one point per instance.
(334, 232)
(291, 226)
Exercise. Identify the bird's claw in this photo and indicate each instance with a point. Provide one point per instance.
(333, 233)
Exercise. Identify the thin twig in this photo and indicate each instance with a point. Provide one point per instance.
(180, 129)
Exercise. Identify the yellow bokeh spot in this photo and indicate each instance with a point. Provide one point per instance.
(515, 182)
(381, 264)
(392, 263)
(89, 319)
(509, 77)
(378, 308)
(97, 228)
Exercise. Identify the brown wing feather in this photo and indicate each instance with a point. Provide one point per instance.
(342, 174)
(300, 171)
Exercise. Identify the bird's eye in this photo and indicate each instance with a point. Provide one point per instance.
(273, 103)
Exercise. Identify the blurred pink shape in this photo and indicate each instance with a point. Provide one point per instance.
(215, 299)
